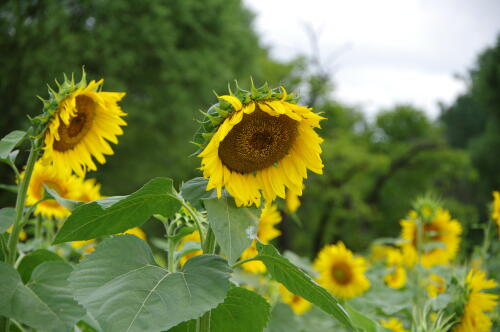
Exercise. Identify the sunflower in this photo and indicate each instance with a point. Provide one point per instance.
(259, 143)
(269, 217)
(436, 285)
(193, 237)
(441, 238)
(87, 246)
(495, 213)
(137, 232)
(292, 201)
(394, 325)
(82, 120)
(66, 186)
(474, 318)
(88, 191)
(341, 272)
(396, 278)
(22, 234)
(298, 304)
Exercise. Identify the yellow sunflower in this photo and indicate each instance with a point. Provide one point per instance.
(341, 272)
(396, 278)
(292, 202)
(137, 232)
(441, 238)
(81, 125)
(269, 217)
(474, 318)
(193, 237)
(436, 285)
(86, 246)
(495, 213)
(22, 234)
(298, 304)
(88, 191)
(259, 143)
(65, 185)
(394, 325)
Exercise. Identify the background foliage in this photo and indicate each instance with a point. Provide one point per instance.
(169, 56)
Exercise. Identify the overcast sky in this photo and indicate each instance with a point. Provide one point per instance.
(382, 52)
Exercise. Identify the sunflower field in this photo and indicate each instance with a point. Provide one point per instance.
(293, 212)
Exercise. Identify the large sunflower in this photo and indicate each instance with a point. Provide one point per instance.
(441, 238)
(474, 318)
(269, 217)
(341, 272)
(66, 186)
(259, 143)
(82, 121)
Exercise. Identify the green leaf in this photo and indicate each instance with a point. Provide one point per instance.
(283, 320)
(45, 303)
(11, 188)
(7, 216)
(67, 203)
(9, 142)
(194, 191)
(234, 228)
(32, 260)
(362, 322)
(242, 310)
(299, 283)
(116, 214)
(125, 290)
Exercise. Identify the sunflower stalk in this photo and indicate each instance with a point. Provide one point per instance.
(20, 202)
(203, 324)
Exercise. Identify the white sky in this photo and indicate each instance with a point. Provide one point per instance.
(382, 52)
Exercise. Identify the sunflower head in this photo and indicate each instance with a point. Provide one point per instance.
(474, 314)
(394, 325)
(341, 272)
(298, 304)
(436, 285)
(258, 143)
(440, 237)
(66, 186)
(79, 120)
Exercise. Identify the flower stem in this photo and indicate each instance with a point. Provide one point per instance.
(20, 201)
(196, 217)
(208, 247)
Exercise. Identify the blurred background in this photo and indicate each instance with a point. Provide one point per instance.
(411, 90)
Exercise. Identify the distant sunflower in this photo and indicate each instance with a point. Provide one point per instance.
(137, 231)
(341, 272)
(269, 217)
(396, 278)
(441, 236)
(259, 143)
(435, 285)
(66, 186)
(193, 237)
(81, 125)
(495, 213)
(87, 246)
(298, 304)
(394, 325)
(474, 318)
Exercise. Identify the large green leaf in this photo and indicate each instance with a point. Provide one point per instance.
(9, 142)
(116, 214)
(283, 320)
(194, 191)
(32, 260)
(234, 227)
(242, 310)
(299, 283)
(45, 303)
(362, 322)
(125, 290)
(7, 216)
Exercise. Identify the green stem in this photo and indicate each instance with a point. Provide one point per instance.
(198, 221)
(243, 261)
(20, 201)
(171, 264)
(4, 324)
(208, 247)
(486, 241)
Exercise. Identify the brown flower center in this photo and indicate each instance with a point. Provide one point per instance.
(341, 273)
(79, 125)
(257, 142)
